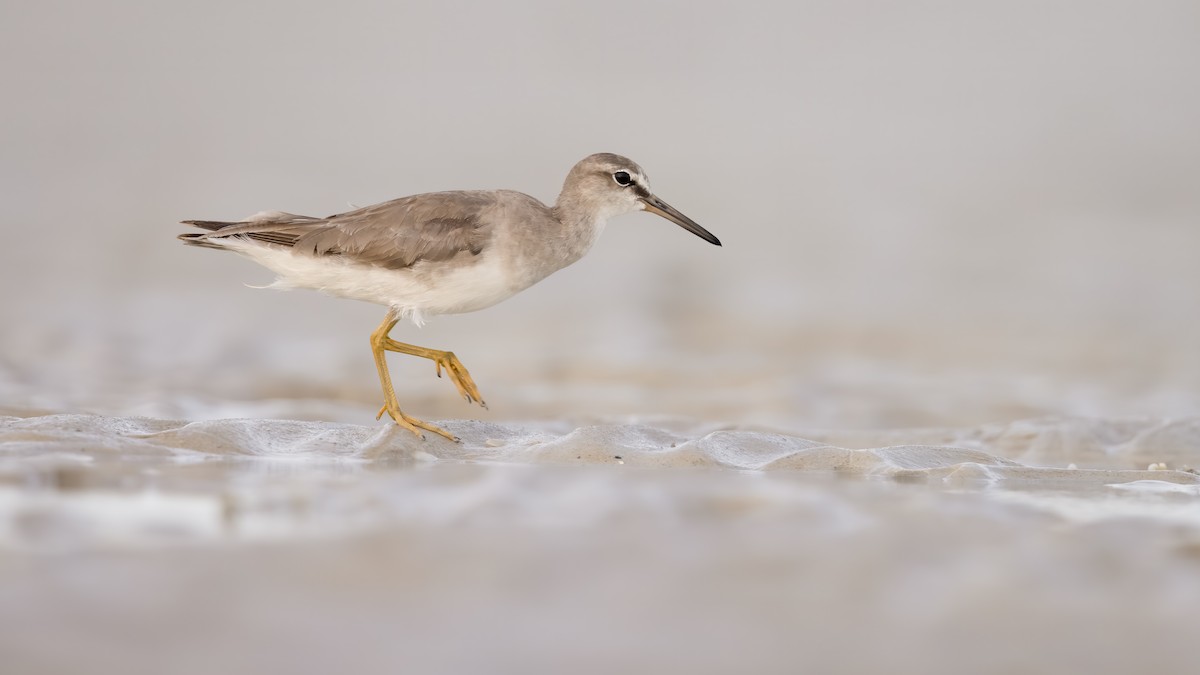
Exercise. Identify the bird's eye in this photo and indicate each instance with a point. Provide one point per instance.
(623, 178)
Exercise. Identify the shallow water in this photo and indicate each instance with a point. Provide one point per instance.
(530, 547)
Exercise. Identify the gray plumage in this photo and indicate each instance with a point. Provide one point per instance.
(425, 238)
(394, 235)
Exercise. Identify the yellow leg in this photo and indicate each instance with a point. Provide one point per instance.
(454, 368)
(381, 344)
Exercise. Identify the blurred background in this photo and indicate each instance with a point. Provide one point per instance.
(933, 213)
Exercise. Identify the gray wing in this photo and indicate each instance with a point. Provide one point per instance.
(395, 234)
(434, 226)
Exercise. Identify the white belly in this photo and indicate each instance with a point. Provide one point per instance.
(464, 284)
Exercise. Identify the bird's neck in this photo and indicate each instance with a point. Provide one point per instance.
(581, 227)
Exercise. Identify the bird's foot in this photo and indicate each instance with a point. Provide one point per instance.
(459, 376)
(442, 360)
(413, 424)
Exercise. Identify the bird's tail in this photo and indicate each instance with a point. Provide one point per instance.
(197, 238)
(268, 227)
(210, 225)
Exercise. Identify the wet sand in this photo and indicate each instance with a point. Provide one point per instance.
(248, 545)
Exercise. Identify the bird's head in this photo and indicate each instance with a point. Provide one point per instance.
(610, 185)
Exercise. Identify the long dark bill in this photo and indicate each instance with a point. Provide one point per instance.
(659, 207)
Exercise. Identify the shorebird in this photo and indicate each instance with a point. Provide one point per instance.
(441, 253)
